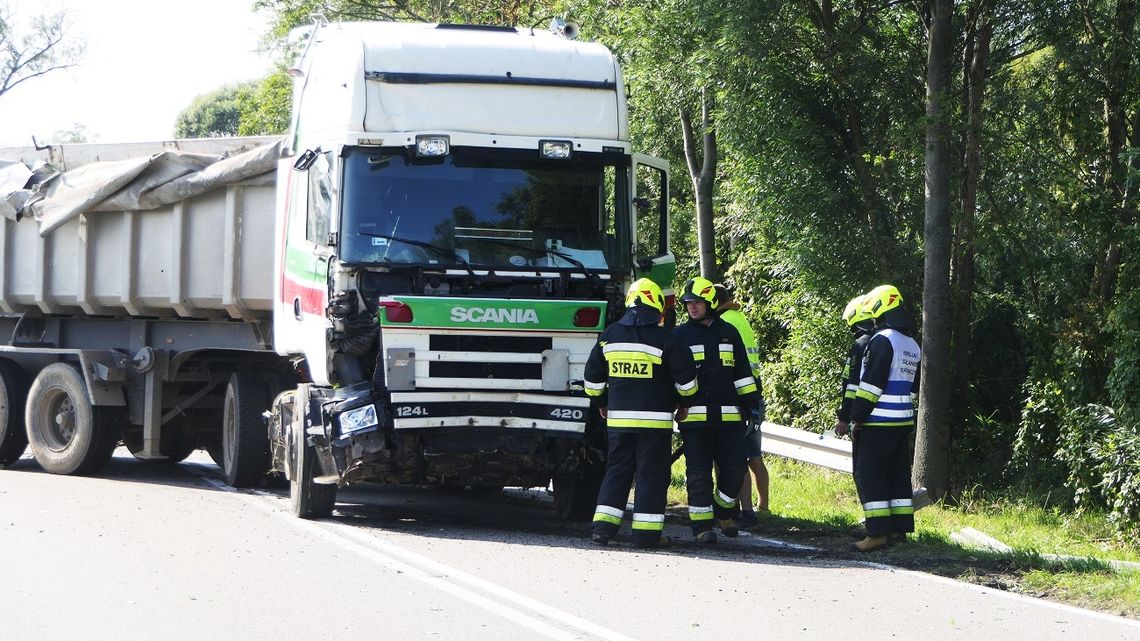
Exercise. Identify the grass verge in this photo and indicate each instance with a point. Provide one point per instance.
(818, 507)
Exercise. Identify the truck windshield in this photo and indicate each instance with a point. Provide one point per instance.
(486, 207)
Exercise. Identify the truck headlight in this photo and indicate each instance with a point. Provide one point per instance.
(357, 419)
(556, 149)
(429, 146)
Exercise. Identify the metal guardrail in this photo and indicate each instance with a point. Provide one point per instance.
(809, 447)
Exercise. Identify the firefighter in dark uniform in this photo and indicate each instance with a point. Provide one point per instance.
(641, 377)
(714, 429)
(861, 325)
(882, 417)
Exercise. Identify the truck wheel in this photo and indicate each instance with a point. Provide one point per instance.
(68, 435)
(575, 498)
(245, 439)
(13, 395)
(309, 500)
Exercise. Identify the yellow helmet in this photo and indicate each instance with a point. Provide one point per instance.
(881, 299)
(647, 293)
(700, 289)
(854, 312)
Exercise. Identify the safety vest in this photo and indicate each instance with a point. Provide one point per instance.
(891, 397)
(735, 318)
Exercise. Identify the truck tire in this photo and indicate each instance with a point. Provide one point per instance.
(67, 433)
(13, 396)
(245, 439)
(309, 500)
(575, 498)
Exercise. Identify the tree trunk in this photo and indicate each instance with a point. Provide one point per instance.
(962, 269)
(932, 460)
(1117, 72)
(702, 172)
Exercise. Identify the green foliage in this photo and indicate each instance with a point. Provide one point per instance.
(254, 108)
(290, 14)
(212, 115)
(265, 109)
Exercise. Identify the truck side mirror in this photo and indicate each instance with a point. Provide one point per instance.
(306, 159)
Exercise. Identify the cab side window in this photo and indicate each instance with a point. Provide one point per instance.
(320, 208)
(649, 207)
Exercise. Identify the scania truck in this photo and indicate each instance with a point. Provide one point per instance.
(402, 290)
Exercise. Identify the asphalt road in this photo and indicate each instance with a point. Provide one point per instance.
(168, 552)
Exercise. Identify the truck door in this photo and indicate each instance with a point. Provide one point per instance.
(651, 225)
(306, 264)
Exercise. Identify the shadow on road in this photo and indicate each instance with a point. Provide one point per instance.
(516, 516)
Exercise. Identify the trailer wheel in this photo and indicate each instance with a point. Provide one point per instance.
(245, 439)
(575, 498)
(68, 435)
(13, 396)
(309, 500)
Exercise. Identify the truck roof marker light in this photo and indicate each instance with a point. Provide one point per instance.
(432, 146)
(396, 311)
(555, 149)
(587, 317)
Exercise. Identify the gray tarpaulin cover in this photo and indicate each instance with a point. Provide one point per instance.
(124, 185)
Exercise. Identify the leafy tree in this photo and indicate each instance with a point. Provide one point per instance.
(77, 134)
(213, 115)
(289, 14)
(33, 48)
(265, 109)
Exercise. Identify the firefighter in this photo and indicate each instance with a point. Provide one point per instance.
(713, 431)
(640, 377)
(882, 418)
(861, 325)
(729, 311)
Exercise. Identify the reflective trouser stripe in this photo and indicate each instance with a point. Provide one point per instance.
(608, 514)
(872, 509)
(648, 521)
(700, 513)
(724, 500)
(902, 506)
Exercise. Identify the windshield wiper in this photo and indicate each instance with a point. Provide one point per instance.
(439, 251)
(545, 252)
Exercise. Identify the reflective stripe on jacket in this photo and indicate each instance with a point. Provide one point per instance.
(640, 376)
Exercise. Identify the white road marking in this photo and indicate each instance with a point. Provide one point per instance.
(437, 575)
